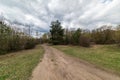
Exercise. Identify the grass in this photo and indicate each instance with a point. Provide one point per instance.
(19, 65)
(103, 56)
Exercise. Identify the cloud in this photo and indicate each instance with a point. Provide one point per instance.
(72, 13)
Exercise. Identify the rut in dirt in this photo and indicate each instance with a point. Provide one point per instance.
(58, 66)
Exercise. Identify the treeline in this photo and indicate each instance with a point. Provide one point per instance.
(103, 35)
(12, 40)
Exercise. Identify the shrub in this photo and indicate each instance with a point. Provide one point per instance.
(30, 44)
(11, 40)
(84, 41)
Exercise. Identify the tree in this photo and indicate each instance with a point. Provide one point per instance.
(103, 35)
(13, 40)
(56, 32)
(117, 35)
(44, 38)
(76, 37)
(67, 37)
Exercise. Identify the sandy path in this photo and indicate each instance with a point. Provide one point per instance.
(57, 66)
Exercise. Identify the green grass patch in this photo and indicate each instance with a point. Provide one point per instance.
(19, 65)
(104, 56)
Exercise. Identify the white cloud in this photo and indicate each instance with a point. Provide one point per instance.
(72, 13)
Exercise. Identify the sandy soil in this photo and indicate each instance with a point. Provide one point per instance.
(58, 66)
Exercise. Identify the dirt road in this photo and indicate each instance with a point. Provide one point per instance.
(58, 66)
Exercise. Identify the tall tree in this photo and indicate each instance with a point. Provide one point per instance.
(76, 36)
(56, 32)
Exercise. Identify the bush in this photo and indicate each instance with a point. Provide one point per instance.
(84, 41)
(14, 43)
(30, 44)
(11, 40)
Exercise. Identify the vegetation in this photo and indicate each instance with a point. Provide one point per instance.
(104, 56)
(106, 34)
(56, 32)
(77, 37)
(12, 40)
(44, 38)
(19, 65)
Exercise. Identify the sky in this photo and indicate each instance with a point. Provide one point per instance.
(86, 14)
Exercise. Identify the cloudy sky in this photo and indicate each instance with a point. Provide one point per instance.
(72, 13)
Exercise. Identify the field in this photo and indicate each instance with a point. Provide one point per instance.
(104, 56)
(19, 65)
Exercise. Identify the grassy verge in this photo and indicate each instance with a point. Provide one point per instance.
(104, 56)
(19, 65)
